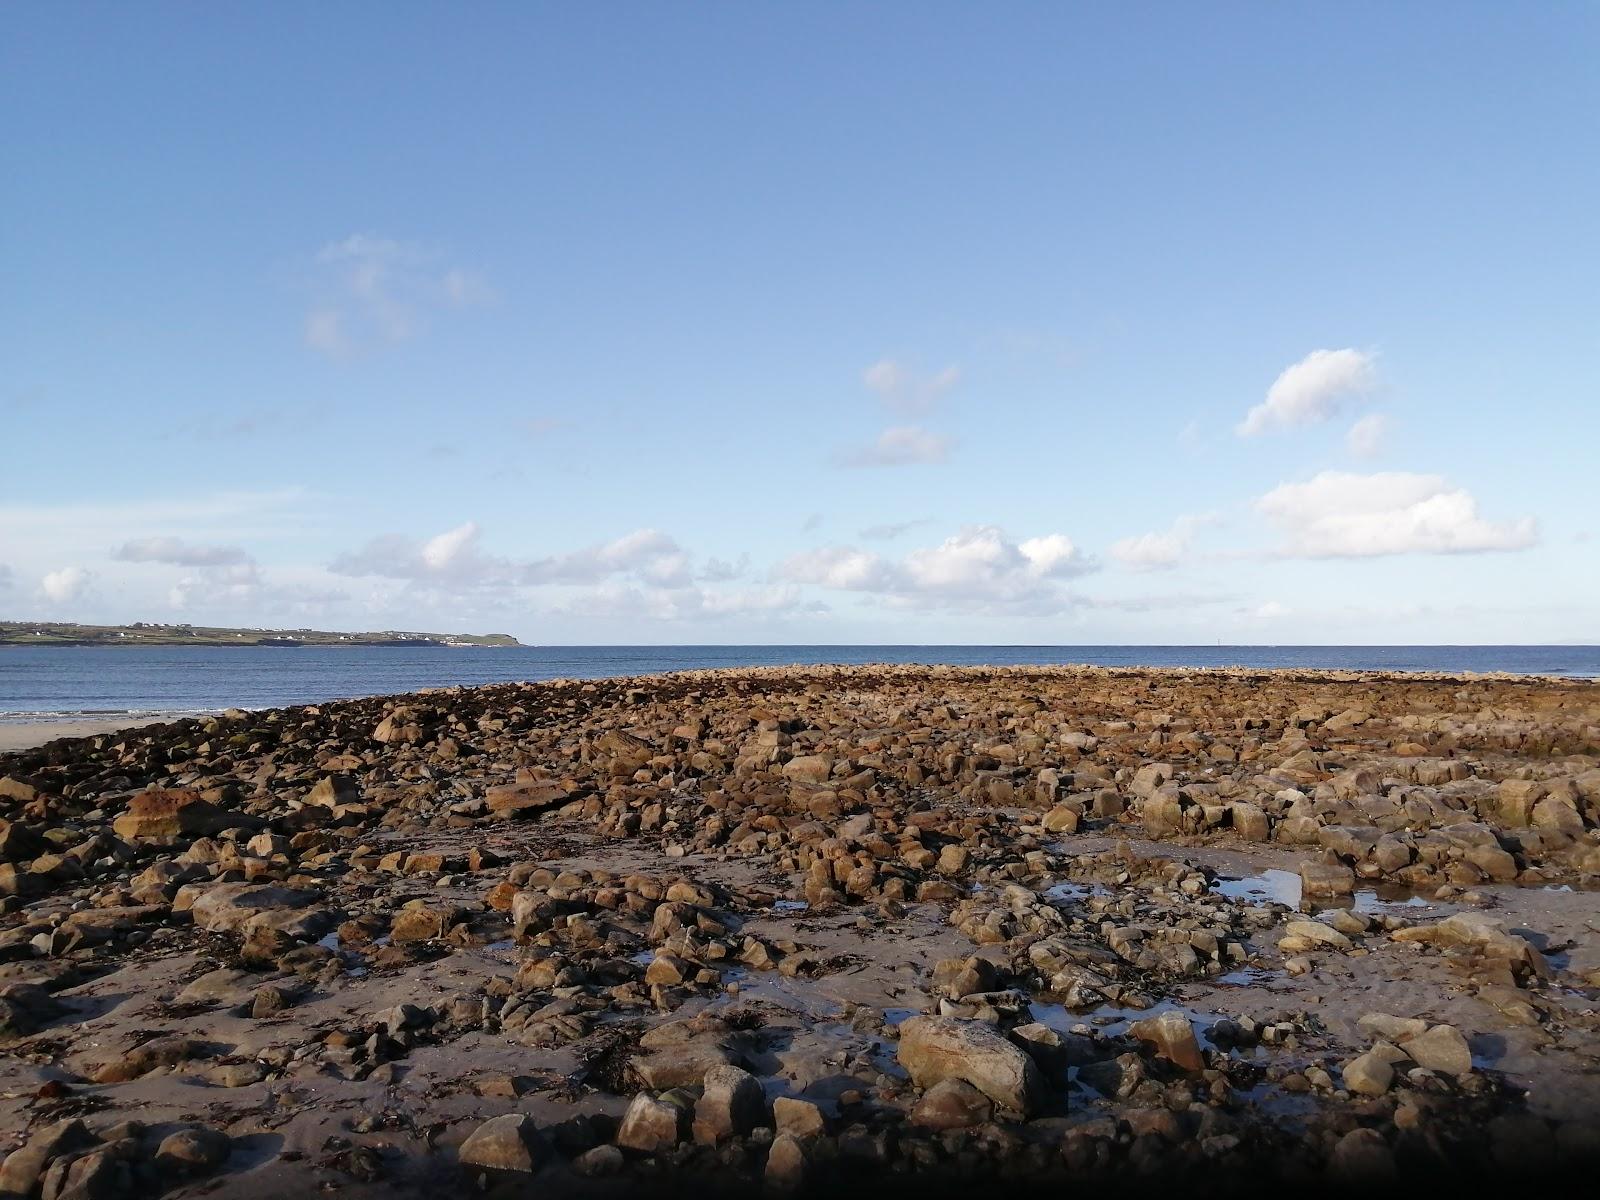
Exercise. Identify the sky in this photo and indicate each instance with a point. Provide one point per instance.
(823, 323)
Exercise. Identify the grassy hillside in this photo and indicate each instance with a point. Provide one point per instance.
(57, 633)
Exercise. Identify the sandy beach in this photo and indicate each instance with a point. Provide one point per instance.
(24, 735)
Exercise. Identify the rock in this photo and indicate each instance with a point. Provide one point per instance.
(952, 1104)
(99, 1175)
(801, 1118)
(684, 1064)
(1441, 1049)
(1368, 1074)
(1173, 1038)
(1395, 1029)
(1477, 930)
(1250, 822)
(732, 1104)
(222, 986)
(331, 791)
(504, 1143)
(1326, 879)
(1306, 935)
(598, 1162)
(423, 923)
(24, 1167)
(1362, 1156)
(1149, 778)
(933, 1049)
(18, 843)
(522, 800)
(786, 1164)
(194, 1150)
(16, 789)
(650, 1125)
(172, 812)
(152, 1056)
(808, 768)
(228, 907)
(1061, 819)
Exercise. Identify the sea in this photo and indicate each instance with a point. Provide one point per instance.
(52, 683)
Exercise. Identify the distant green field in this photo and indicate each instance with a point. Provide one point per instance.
(53, 633)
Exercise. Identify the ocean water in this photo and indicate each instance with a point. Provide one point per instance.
(41, 683)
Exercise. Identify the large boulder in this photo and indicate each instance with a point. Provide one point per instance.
(229, 907)
(933, 1049)
(173, 812)
(512, 800)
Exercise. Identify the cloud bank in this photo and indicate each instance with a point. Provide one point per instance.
(1338, 514)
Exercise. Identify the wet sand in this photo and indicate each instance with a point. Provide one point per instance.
(27, 734)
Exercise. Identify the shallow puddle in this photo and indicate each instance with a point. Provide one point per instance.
(1283, 887)
(1269, 886)
(1076, 892)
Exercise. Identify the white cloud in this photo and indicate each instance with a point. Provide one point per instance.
(648, 553)
(454, 559)
(977, 567)
(1155, 551)
(622, 601)
(177, 552)
(842, 567)
(372, 291)
(1342, 515)
(1270, 611)
(66, 585)
(1366, 436)
(7, 578)
(1311, 391)
(906, 391)
(720, 570)
(901, 446)
(439, 553)
(451, 556)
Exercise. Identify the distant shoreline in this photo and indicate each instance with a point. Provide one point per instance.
(143, 645)
(141, 633)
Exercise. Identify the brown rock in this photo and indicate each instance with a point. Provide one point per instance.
(933, 1049)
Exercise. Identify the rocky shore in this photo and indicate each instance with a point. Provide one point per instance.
(808, 929)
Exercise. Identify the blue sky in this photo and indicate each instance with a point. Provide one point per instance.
(840, 323)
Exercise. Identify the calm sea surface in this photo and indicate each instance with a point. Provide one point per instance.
(38, 683)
